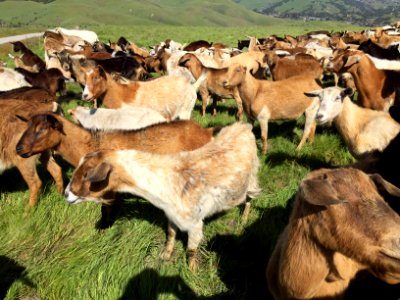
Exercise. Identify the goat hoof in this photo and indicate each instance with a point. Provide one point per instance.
(166, 255)
(192, 264)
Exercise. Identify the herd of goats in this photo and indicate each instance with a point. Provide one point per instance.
(344, 220)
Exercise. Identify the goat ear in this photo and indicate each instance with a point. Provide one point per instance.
(183, 62)
(102, 72)
(315, 93)
(347, 92)
(98, 173)
(351, 60)
(55, 123)
(23, 119)
(319, 192)
(395, 113)
(382, 184)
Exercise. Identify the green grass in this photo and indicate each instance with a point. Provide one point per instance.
(55, 252)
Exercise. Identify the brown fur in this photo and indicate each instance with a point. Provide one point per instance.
(339, 225)
(51, 80)
(29, 93)
(88, 52)
(212, 85)
(11, 131)
(28, 58)
(266, 100)
(50, 131)
(285, 67)
(376, 88)
(137, 51)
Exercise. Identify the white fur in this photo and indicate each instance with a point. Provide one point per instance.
(87, 35)
(128, 118)
(385, 64)
(10, 79)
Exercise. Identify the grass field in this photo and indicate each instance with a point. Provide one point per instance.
(55, 251)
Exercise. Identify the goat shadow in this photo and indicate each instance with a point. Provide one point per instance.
(243, 258)
(242, 262)
(11, 271)
(138, 287)
(304, 159)
(220, 107)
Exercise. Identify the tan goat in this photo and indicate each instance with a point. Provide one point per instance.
(171, 96)
(212, 85)
(187, 186)
(266, 100)
(339, 225)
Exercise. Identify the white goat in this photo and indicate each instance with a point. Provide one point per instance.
(10, 79)
(131, 118)
(187, 186)
(364, 130)
(87, 35)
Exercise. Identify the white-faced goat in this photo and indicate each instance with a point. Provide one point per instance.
(363, 130)
(188, 186)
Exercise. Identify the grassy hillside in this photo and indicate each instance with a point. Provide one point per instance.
(363, 12)
(131, 12)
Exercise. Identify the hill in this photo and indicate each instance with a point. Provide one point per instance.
(130, 12)
(361, 12)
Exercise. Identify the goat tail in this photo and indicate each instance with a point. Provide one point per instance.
(200, 80)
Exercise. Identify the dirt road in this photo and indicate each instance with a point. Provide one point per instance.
(14, 38)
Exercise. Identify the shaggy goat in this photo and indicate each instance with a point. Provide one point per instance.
(188, 186)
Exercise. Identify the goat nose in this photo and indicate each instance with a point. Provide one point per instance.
(18, 148)
(84, 96)
(319, 117)
(225, 83)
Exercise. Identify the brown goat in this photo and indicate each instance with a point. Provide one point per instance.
(213, 84)
(267, 100)
(29, 60)
(339, 225)
(51, 80)
(30, 94)
(289, 66)
(87, 51)
(11, 131)
(50, 131)
(376, 88)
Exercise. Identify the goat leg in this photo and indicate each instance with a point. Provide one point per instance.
(310, 113)
(169, 246)
(27, 168)
(195, 236)
(54, 169)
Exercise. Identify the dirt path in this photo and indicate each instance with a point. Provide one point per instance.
(14, 38)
